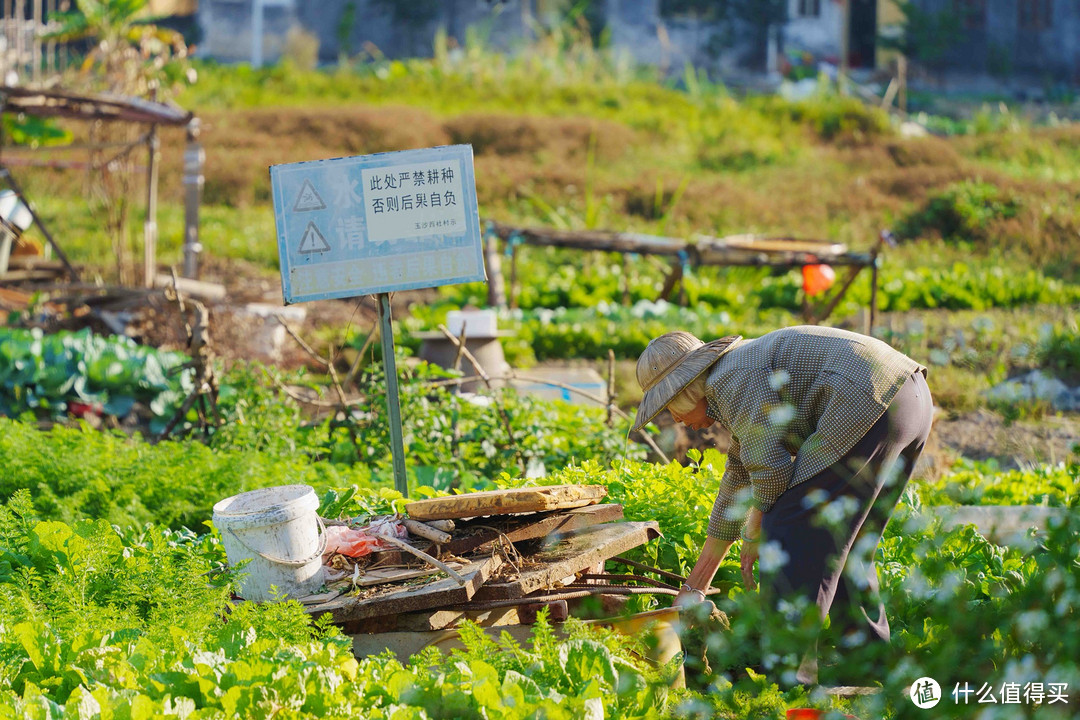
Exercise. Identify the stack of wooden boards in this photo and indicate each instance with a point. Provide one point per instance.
(507, 545)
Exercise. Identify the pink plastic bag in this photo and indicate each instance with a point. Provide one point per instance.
(362, 541)
(346, 541)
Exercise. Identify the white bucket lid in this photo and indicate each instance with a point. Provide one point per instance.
(265, 506)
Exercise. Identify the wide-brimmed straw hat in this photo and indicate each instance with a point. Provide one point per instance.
(670, 363)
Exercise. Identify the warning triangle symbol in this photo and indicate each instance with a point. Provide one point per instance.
(308, 199)
(313, 241)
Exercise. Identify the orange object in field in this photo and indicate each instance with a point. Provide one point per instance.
(809, 714)
(816, 279)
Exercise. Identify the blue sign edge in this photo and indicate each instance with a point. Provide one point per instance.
(472, 214)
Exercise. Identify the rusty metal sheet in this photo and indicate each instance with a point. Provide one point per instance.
(60, 103)
(571, 554)
(402, 599)
(530, 527)
(506, 502)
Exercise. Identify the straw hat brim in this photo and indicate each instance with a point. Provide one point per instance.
(685, 371)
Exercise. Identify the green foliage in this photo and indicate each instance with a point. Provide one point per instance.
(984, 484)
(962, 607)
(451, 440)
(94, 622)
(77, 472)
(831, 116)
(49, 372)
(679, 498)
(461, 441)
(140, 618)
(959, 606)
(127, 55)
(34, 131)
(590, 319)
(1060, 353)
(963, 211)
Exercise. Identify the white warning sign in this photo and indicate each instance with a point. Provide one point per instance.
(313, 241)
(377, 223)
(308, 199)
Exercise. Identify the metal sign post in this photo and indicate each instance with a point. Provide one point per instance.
(393, 404)
(375, 224)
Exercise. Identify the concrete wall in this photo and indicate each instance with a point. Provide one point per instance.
(818, 35)
(1002, 49)
(999, 47)
(227, 29)
(498, 25)
(636, 27)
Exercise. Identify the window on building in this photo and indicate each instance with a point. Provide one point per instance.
(1036, 14)
(808, 8)
(972, 13)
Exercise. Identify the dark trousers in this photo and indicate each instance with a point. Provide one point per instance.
(829, 526)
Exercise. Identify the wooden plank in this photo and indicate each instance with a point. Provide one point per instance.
(574, 553)
(597, 240)
(25, 275)
(506, 502)
(385, 576)
(442, 619)
(765, 244)
(395, 600)
(531, 527)
(195, 288)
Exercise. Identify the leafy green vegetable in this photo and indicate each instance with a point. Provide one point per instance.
(50, 372)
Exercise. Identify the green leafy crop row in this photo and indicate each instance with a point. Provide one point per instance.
(984, 484)
(137, 621)
(96, 623)
(451, 440)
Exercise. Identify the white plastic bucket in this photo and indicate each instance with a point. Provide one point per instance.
(278, 529)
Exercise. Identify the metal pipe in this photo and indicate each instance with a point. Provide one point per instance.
(635, 578)
(194, 157)
(393, 404)
(648, 568)
(150, 229)
(574, 594)
(41, 226)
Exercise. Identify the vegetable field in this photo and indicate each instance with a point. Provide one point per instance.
(116, 601)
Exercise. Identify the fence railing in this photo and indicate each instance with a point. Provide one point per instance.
(27, 54)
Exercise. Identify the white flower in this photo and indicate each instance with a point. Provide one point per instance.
(839, 510)
(1031, 621)
(779, 379)
(771, 557)
(781, 414)
(815, 497)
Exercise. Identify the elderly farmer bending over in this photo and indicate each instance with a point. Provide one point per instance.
(815, 415)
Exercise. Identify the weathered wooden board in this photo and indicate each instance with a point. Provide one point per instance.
(384, 576)
(506, 502)
(391, 601)
(531, 527)
(761, 244)
(574, 553)
(442, 619)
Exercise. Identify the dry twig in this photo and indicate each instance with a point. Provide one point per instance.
(423, 556)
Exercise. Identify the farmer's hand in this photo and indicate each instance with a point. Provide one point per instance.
(689, 599)
(751, 533)
(746, 561)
